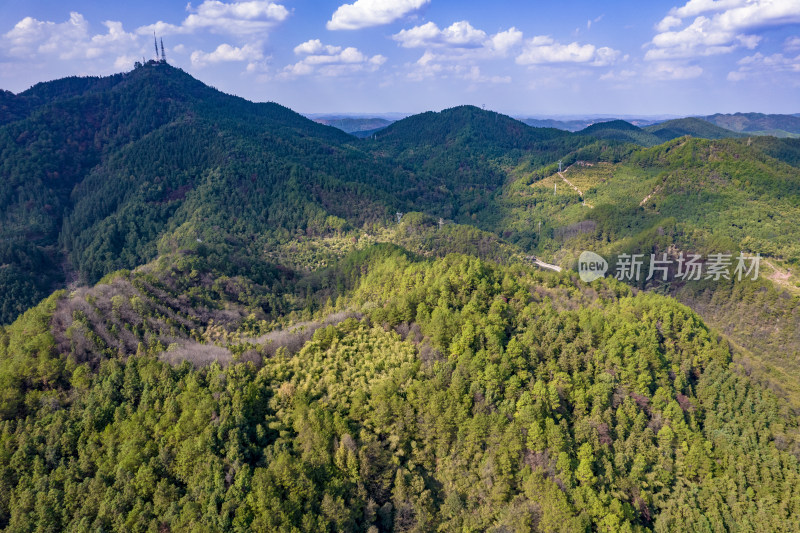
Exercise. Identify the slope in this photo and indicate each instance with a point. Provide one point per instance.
(757, 122)
(619, 130)
(672, 129)
(457, 395)
(464, 154)
(98, 169)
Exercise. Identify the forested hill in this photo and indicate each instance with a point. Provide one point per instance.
(96, 171)
(272, 325)
(621, 130)
(464, 154)
(93, 171)
(449, 394)
(672, 129)
(466, 125)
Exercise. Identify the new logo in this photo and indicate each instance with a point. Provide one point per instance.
(591, 266)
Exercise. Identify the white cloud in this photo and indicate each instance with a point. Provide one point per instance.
(227, 53)
(315, 46)
(458, 35)
(454, 50)
(673, 71)
(542, 49)
(791, 43)
(474, 74)
(718, 27)
(765, 65)
(116, 38)
(621, 75)
(124, 62)
(504, 41)
(593, 21)
(366, 13)
(668, 22)
(330, 60)
(434, 65)
(459, 42)
(235, 18)
(692, 8)
(31, 38)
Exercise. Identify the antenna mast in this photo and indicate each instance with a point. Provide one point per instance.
(155, 43)
(163, 55)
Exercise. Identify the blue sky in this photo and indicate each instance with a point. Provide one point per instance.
(529, 58)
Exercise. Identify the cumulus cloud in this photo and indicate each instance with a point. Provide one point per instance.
(459, 35)
(330, 60)
(764, 65)
(543, 49)
(718, 26)
(504, 41)
(227, 53)
(315, 46)
(366, 13)
(235, 18)
(71, 39)
(454, 50)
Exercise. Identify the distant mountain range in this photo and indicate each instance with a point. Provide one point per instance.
(758, 123)
(354, 125)
(777, 125)
(581, 123)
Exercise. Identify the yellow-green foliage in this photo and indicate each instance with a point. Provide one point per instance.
(470, 397)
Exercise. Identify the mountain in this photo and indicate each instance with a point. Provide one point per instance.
(757, 123)
(431, 388)
(688, 195)
(672, 129)
(463, 153)
(99, 170)
(620, 130)
(354, 124)
(115, 165)
(263, 323)
(567, 125)
(577, 124)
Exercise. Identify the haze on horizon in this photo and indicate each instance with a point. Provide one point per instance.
(383, 56)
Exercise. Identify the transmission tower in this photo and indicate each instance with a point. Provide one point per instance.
(155, 43)
(163, 55)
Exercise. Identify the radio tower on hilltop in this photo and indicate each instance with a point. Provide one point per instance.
(155, 43)
(163, 55)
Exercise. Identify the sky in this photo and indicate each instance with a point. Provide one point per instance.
(526, 58)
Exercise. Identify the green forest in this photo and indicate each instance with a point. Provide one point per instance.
(221, 316)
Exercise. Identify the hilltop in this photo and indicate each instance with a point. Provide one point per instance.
(620, 130)
(758, 123)
(672, 129)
